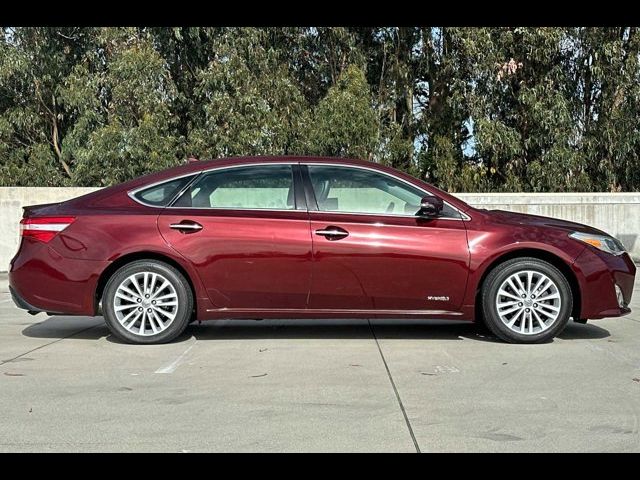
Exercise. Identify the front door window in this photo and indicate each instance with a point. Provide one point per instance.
(356, 190)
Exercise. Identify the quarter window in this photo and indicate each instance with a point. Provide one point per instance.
(160, 195)
(356, 190)
(254, 187)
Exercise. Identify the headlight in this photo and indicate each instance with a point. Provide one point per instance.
(602, 242)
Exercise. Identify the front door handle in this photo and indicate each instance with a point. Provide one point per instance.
(186, 226)
(332, 233)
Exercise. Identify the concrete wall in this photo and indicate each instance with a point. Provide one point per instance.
(617, 214)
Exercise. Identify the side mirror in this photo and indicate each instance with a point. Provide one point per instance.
(430, 206)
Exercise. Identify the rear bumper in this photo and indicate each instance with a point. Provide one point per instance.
(598, 273)
(22, 303)
(42, 280)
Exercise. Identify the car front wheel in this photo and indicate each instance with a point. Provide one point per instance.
(147, 302)
(526, 300)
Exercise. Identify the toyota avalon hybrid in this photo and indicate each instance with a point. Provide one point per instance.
(298, 237)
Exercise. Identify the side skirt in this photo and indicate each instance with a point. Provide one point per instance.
(244, 313)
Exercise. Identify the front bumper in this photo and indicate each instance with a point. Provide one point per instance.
(598, 273)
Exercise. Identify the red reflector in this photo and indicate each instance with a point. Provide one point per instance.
(44, 228)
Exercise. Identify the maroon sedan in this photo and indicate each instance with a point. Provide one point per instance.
(296, 237)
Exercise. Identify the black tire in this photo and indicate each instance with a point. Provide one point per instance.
(183, 311)
(503, 271)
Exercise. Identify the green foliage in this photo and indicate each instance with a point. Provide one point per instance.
(120, 96)
(249, 102)
(469, 109)
(344, 125)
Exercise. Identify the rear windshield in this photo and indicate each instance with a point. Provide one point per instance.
(160, 195)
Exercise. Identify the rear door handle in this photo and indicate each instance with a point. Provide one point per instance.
(186, 226)
(332, 233)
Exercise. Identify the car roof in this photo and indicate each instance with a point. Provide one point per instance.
(196, 165)
(203, 165)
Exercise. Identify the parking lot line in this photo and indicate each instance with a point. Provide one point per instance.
(9, 360)
(395, 390)
(170, 368)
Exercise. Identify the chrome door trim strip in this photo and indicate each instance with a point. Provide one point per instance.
(335, 310)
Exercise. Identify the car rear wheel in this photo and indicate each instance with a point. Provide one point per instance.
(526, 300)
(146, 302)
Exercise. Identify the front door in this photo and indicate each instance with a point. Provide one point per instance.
(247, 235)
(370, 252)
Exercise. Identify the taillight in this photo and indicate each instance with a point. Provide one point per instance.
(44, 228)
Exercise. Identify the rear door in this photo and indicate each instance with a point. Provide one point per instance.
(371, 252)
(246, 230)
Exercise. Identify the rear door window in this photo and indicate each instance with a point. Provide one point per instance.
(260, 187)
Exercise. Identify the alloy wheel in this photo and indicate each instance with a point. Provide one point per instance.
(145, 303)
(528, 302)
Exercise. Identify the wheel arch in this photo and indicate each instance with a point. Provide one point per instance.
(540, 254)
(143, 255)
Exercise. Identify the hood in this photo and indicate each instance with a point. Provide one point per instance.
(524, 219)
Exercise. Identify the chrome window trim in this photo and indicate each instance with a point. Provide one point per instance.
(463, 215)
(239, 209)
(131, 193)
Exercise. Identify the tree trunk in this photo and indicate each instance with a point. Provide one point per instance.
(55, 141)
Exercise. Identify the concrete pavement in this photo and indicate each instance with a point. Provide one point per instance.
(339, 385)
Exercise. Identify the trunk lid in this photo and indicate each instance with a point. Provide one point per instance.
(39, 210)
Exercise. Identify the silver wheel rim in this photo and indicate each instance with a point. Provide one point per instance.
(528, 302)
(146, 303)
